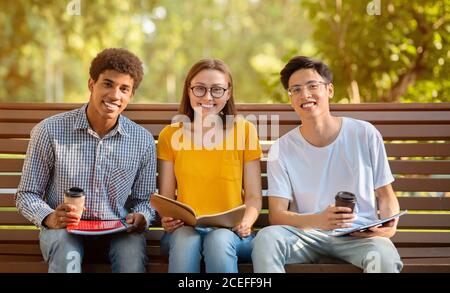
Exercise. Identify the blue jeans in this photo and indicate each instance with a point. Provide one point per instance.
(275, 246)
(221, 248)
(64, 251)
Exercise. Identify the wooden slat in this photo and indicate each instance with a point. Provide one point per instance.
(11, 165)
(20, 249)
(408, 184)
(13, 146)
(421, 239)
(409, 203)
(9, 181)
(389, 132)
(18, 236)
(33, 116)
(421, 184)
(15, 130)
(12, 218)
(424, 252)
(425, 203)
(384, 117)
(7, 200)
(424, 221)
(413, 131)
(423, 167)
(420, 167)
(22, 130)
(418, 149)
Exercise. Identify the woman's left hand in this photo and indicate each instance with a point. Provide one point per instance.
(244, 229)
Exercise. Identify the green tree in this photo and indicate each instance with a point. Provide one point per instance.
(46, 52)
(401, 55)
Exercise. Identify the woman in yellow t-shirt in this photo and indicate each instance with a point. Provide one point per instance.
(211, 162)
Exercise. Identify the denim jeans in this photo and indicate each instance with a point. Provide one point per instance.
(64, 251)
(221, 248)
(275, 246)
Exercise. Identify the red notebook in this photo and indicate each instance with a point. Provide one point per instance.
(98, 227)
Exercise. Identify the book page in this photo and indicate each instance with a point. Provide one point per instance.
(227, 219)
(167, 207)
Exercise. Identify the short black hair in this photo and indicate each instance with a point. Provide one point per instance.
(303, 62)
(120, 60)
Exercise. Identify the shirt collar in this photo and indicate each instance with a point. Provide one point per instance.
(83, 123)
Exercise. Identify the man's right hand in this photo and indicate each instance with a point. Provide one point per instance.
(63, 214)
(335, 217)
(170, 224)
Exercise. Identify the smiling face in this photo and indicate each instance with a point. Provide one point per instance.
(110, 95)
(207, 104)
(312, 100)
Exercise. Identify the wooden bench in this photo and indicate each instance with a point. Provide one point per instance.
(417, 138)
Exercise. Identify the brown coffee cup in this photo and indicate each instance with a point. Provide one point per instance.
(76, 197)
(345, 199)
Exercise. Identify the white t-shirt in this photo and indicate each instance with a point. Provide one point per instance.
(309, 176)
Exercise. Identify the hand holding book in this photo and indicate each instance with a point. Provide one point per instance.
(174, 209)
(170, 224)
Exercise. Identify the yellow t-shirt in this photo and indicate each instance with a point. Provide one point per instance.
(209, 180)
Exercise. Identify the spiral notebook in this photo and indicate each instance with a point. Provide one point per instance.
(98, 227)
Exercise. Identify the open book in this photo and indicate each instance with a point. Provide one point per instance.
(167, 207)
(97, 227)
(361, 228)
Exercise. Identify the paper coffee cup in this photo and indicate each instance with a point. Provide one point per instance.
(75, 196)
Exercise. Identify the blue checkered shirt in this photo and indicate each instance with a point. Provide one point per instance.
(117, 172)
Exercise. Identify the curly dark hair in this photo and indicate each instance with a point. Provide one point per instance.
(120, 60)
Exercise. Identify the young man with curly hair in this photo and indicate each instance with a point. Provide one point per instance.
(107, 155)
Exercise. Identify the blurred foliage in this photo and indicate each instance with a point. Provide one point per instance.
(401, 55)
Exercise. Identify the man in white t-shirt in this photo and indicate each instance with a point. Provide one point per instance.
(308, 166)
